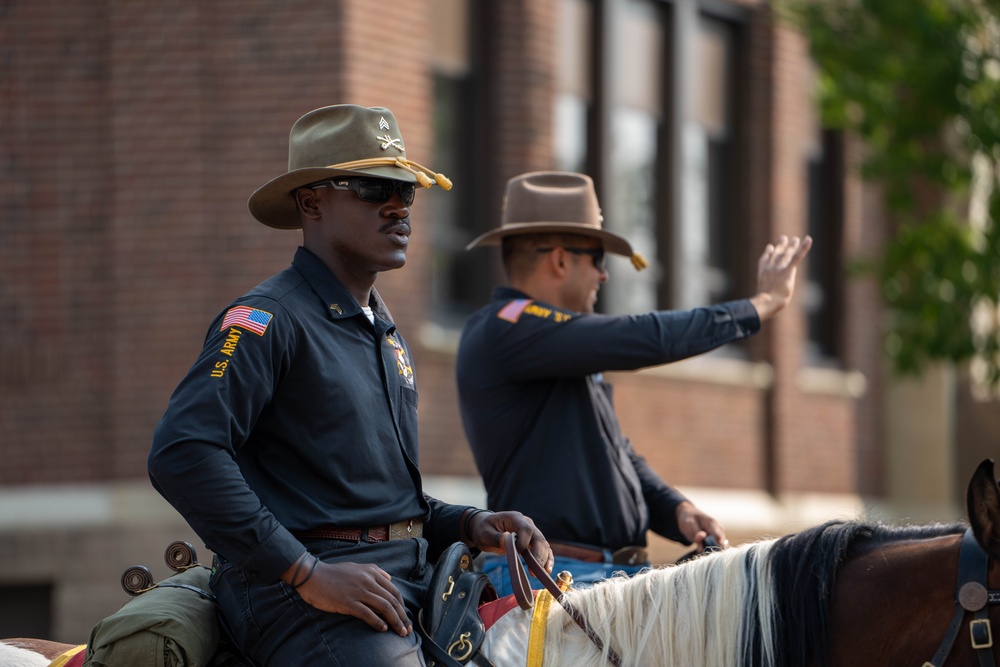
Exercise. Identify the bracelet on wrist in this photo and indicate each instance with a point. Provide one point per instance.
(467, 523)
(312, 568)
(298, 567)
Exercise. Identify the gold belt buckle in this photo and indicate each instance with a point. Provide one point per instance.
(404, 530)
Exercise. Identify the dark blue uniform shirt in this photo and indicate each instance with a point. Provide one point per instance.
(298, 413)
(541, 421)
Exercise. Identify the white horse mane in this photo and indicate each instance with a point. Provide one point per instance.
(14, 656)
(703, 612)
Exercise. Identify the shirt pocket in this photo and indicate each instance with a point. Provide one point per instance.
(408, 399)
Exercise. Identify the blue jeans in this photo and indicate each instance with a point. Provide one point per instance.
(271, 624)
(584, 574)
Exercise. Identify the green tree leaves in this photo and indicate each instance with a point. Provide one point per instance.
(919, 82)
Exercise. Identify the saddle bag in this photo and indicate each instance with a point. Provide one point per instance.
(449, 622)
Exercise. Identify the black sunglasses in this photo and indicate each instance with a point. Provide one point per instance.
(596, 254)
(374, 190)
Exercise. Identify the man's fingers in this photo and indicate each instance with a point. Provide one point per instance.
(803, 248)
(391, 609)
(364, 591)
(388, 603)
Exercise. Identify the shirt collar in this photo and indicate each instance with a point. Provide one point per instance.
(339, 301)
(505, 293)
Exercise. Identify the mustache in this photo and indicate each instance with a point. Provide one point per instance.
(396, 226)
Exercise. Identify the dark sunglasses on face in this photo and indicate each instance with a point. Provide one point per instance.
(596, 254)
(374, 190)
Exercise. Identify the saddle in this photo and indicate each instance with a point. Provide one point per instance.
(449, 623)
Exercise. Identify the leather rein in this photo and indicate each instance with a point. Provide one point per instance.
(972, 595)
(525, 599)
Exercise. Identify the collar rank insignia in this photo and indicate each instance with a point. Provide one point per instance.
(383, 124)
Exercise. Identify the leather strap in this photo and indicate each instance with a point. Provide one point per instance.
(518, 579)
(970, 595)
(553, 588)
(438, 656)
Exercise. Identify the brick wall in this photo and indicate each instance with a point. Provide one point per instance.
(132, 135)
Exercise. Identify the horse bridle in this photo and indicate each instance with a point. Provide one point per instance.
(522, 592)
(972, 595)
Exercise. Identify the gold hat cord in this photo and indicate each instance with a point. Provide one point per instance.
(422, 173)
(639, 261)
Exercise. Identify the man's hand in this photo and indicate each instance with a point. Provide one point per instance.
(487, 530)
(695, 525)
(776, 275)
(364, 591)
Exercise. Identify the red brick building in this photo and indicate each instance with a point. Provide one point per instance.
(131, 135)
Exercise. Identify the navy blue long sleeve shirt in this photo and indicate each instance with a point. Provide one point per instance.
(298, 412)
(541, 421)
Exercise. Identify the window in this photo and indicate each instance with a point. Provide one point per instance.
(636, 126)
(574, 94)
(648, 104)
(460, 280)
(824, 283)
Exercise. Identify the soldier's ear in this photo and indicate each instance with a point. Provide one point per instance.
(556, 261)
(307, 201)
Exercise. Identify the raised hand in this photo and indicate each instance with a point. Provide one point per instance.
(776, 270)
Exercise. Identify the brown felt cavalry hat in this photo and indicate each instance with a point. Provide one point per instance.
(560, 202)
(338, 140)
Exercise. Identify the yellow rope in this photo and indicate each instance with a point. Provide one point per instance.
(422, 173)
(536, 636)
(65, 657)
(639, 262)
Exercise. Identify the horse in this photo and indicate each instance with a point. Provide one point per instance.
(841, 593)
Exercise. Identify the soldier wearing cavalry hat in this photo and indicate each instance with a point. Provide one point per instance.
(291, 445)
(532, 395)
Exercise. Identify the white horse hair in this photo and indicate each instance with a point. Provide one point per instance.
(705, 612)
(14, 656)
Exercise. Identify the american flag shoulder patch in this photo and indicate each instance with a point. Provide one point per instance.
(251, 319)
(512, 311)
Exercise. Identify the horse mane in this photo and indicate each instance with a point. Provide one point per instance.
(762, 604)
(804, 568)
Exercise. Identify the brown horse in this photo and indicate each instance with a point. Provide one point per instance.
(840, 594)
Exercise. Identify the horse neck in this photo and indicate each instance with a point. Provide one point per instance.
(893, 603)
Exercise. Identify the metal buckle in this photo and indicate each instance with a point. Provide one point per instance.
(981, 642)
(463, 644)
(403, 530)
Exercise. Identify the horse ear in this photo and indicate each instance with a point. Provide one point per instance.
(983, 506)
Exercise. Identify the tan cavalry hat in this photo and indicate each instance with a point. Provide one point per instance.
(339, 140)
(545, 202)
